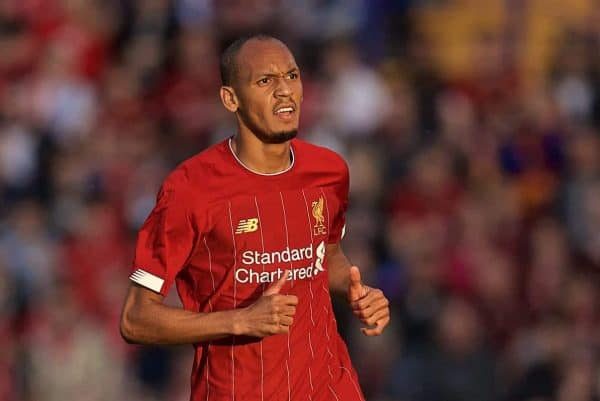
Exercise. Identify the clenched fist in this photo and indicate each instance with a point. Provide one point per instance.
(273, 313)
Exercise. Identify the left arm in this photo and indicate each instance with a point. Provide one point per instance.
(369, 304)
(338, 267)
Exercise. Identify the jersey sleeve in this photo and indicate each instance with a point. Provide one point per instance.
(165, 242)
(338, 225)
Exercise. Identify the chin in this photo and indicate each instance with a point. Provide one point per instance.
(277, 137)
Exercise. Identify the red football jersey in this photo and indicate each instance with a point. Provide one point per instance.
(223, 234)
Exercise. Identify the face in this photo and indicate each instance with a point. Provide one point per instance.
(268, 91)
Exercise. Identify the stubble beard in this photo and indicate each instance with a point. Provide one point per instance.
(276, 138)
(268, 138)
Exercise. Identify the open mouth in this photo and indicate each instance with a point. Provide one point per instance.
(285, 112)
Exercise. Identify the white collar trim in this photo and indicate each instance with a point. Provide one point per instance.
(257, 172)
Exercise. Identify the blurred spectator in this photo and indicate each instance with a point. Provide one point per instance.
(29, 251)
(358, 99)
(63, 335)
(463, 369)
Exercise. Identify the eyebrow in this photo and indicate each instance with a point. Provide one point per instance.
(271, 74)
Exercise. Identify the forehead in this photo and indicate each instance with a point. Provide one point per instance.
(264, 56)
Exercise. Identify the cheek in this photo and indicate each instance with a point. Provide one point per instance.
(299, 91)
(258, 116)
(252, 110)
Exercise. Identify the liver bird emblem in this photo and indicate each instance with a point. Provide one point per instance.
(317, 212)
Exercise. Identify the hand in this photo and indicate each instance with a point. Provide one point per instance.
(271, 314)
(369, 304)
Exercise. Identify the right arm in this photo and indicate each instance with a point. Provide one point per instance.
(145, 319)
(164, 245)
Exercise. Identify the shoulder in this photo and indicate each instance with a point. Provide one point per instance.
(195, 172)
(321, 157)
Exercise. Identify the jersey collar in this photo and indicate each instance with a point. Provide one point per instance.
(257, 172)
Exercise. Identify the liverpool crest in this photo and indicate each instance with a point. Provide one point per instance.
(317, 212)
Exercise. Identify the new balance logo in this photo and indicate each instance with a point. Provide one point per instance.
(247, 226)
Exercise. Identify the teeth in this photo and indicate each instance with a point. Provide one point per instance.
(284, 110)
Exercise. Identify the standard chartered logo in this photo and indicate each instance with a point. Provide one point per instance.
(320, 257)
(252, 270)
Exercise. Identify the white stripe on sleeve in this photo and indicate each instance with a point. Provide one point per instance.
(147, 280)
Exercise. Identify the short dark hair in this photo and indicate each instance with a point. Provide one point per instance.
(228, 64)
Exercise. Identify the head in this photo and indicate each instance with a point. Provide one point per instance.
(261, 84)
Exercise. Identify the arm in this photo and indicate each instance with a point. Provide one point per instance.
(338, 267)
(146, 320)
(165, 243)
(369, 304)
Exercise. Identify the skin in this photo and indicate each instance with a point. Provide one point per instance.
(268, 79)
(370, 305)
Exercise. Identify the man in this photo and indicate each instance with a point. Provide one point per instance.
(249, 230)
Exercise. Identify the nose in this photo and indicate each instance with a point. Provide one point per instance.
(283, 88)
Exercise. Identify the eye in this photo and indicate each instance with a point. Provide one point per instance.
(293, 75)
(264, 81)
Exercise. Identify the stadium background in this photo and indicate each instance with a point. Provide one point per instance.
(471, 128)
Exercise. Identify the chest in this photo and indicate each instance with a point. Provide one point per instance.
(253, 239)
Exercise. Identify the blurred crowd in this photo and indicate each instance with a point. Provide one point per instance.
(472, 131)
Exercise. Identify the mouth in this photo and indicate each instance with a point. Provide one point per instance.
(285, 112)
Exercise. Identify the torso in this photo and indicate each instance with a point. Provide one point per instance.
(252, 228)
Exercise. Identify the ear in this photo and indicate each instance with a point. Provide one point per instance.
(229, 98)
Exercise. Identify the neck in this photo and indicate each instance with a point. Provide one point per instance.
(264, 158)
